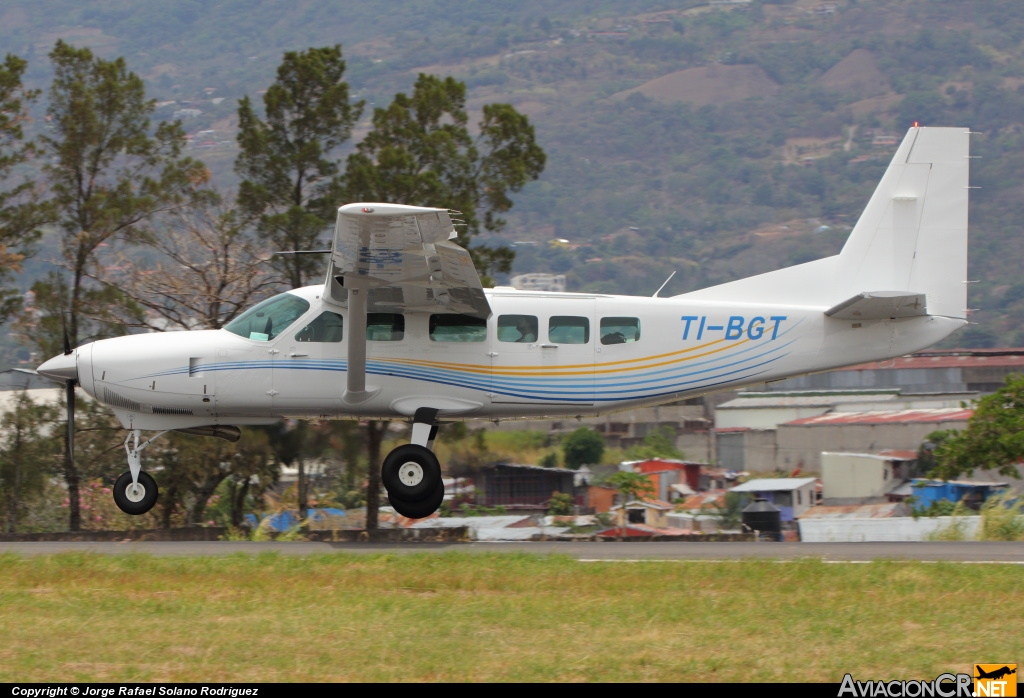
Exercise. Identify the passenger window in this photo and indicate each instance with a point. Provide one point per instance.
(517, 328)
(326, 328)
(620, 330)
(568, 329)
(457, 328)
(385, 327)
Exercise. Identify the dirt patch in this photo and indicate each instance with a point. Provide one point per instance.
(712, 84)
(857, 74)
(874, 105)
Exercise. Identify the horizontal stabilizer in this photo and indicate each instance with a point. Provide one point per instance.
(879, 305)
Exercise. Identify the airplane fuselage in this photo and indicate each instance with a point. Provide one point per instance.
(585, 354)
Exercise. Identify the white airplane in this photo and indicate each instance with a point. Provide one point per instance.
(402, 329)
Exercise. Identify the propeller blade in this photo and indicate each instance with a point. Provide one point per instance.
(67, 341)
(70, 388)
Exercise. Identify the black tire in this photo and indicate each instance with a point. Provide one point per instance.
(418, 510)
(411, 473)
(140, 505)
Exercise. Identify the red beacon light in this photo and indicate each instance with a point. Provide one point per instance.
(367, 209)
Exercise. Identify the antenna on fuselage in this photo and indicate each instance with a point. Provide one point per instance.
(660, 288)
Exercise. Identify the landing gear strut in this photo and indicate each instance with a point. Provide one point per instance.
(411, 473)
(135, 492)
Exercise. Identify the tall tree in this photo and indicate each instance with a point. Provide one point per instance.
(108, 176)
(27, 455)
(421, 152)
(993, 439)
(285, 160)
(21, 212)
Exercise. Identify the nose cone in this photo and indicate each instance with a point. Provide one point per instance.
(63, 367)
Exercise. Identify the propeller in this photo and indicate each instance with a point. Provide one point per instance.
(69, 393)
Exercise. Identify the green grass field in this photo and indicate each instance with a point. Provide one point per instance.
(503, 617)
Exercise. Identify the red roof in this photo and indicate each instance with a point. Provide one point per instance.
(952, 358)
(886, 417)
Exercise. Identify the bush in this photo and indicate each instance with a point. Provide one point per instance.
(1001, 519)
(582, 447)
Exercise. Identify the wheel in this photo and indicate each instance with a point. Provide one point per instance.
(422, 508)
(410, 472)
(135, 500)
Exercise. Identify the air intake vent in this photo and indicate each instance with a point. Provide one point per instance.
(172, 410)
(115, 400)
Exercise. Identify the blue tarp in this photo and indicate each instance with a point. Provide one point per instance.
(927, 492)
(286, 520)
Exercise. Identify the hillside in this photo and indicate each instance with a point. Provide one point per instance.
(714, 141)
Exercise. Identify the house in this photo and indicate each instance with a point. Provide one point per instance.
(850, 476)
(515, 486)
(792, 495)
(652, 512)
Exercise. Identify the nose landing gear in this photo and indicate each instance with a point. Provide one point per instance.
(135, 497)
(135, 492)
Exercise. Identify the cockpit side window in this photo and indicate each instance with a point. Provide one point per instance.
(269, 319)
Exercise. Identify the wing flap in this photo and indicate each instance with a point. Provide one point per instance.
(879, 305)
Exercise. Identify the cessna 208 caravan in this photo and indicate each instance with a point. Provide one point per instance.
(402, 329)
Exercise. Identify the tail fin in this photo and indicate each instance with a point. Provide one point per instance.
(911, 238)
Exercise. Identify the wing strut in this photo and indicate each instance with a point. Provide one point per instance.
(356, 390)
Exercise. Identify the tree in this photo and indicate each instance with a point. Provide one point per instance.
(27, 455)
(285, 164)
(582, 447)
(108, 177)
(209, 271)
(21, 212)
(993, 439)
(420, 152)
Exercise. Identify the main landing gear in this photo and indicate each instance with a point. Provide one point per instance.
(411, 473)
(135, 492)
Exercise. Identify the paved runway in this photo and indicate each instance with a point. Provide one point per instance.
(971, 551)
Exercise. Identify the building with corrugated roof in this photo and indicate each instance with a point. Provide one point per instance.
(930, 371)
(792, 495)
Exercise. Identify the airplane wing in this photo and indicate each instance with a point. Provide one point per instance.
(879, 305)
(406, 257)
(399, 259)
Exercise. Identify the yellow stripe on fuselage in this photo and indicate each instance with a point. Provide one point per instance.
(587, 369)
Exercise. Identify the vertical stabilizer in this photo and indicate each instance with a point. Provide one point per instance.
(911, 239)
(912, 236)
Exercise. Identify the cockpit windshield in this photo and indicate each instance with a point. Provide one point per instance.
(270, 318)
